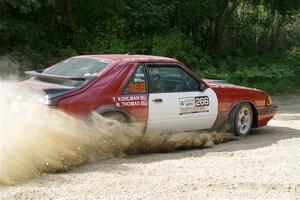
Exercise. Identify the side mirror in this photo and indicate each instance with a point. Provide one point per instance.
(202, 87)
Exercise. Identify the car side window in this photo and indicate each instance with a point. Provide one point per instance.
(137, 83)
(170, 78)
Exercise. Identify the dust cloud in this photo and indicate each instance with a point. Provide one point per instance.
(36, 139)
(10, 68)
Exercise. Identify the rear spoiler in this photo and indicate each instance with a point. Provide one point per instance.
(39, 74)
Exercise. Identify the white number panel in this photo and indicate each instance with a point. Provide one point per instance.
(182, 111)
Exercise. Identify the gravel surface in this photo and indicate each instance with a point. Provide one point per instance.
(264, 165)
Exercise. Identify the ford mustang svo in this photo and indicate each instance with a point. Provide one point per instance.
(162, 93)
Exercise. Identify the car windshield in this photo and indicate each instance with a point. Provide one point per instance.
(74, 67)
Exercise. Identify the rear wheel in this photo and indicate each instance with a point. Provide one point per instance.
(242, 119)
(116, 116)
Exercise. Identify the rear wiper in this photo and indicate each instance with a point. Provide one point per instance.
(38, 74)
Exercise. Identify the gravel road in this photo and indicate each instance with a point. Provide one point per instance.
(264, 165)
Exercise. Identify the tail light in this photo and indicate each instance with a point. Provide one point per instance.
(48, 102)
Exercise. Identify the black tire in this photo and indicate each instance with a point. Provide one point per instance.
(241, 119)
(117, 116)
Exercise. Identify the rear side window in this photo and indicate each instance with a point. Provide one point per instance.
(137, 83)
(79, 67)
(170, 78)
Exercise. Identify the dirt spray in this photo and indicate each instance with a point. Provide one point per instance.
(36, 139)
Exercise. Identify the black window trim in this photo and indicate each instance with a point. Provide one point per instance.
(168, 64)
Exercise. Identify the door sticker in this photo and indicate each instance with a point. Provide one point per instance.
(189, 105)
(130, 101)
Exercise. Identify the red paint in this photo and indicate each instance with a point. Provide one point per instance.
(105, 93)
(231, 95)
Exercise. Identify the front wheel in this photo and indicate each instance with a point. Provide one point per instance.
(242, 119)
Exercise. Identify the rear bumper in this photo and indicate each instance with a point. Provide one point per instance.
(268, 110)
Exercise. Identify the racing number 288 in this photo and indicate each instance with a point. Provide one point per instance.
(137, 87)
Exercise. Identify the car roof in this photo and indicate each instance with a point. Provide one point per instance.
(130, 58)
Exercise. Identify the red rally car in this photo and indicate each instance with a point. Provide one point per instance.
(160, 92)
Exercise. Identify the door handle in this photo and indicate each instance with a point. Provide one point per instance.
(157, 100)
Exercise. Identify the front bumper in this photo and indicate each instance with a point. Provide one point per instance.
(267, 110)
(265, 115)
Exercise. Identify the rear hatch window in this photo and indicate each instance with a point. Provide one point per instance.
(79, 70)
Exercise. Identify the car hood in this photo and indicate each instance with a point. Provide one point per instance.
(223, 84)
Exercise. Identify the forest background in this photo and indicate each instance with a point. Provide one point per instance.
(253, 43)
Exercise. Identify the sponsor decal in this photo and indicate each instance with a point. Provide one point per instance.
(190, 105)
(187, 102)
(131, 101)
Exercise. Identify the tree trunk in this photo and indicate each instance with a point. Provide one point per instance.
(67, 20)
(2, 8)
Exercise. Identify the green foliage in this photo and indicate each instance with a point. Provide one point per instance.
(295, 56)
(177, 45)
(249, 42)
(68, 52)
(25, 6)
(273, 73)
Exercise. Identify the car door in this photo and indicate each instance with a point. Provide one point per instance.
(176, 102)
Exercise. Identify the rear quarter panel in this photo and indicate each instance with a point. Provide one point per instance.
(96, 95)
(104, 94)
